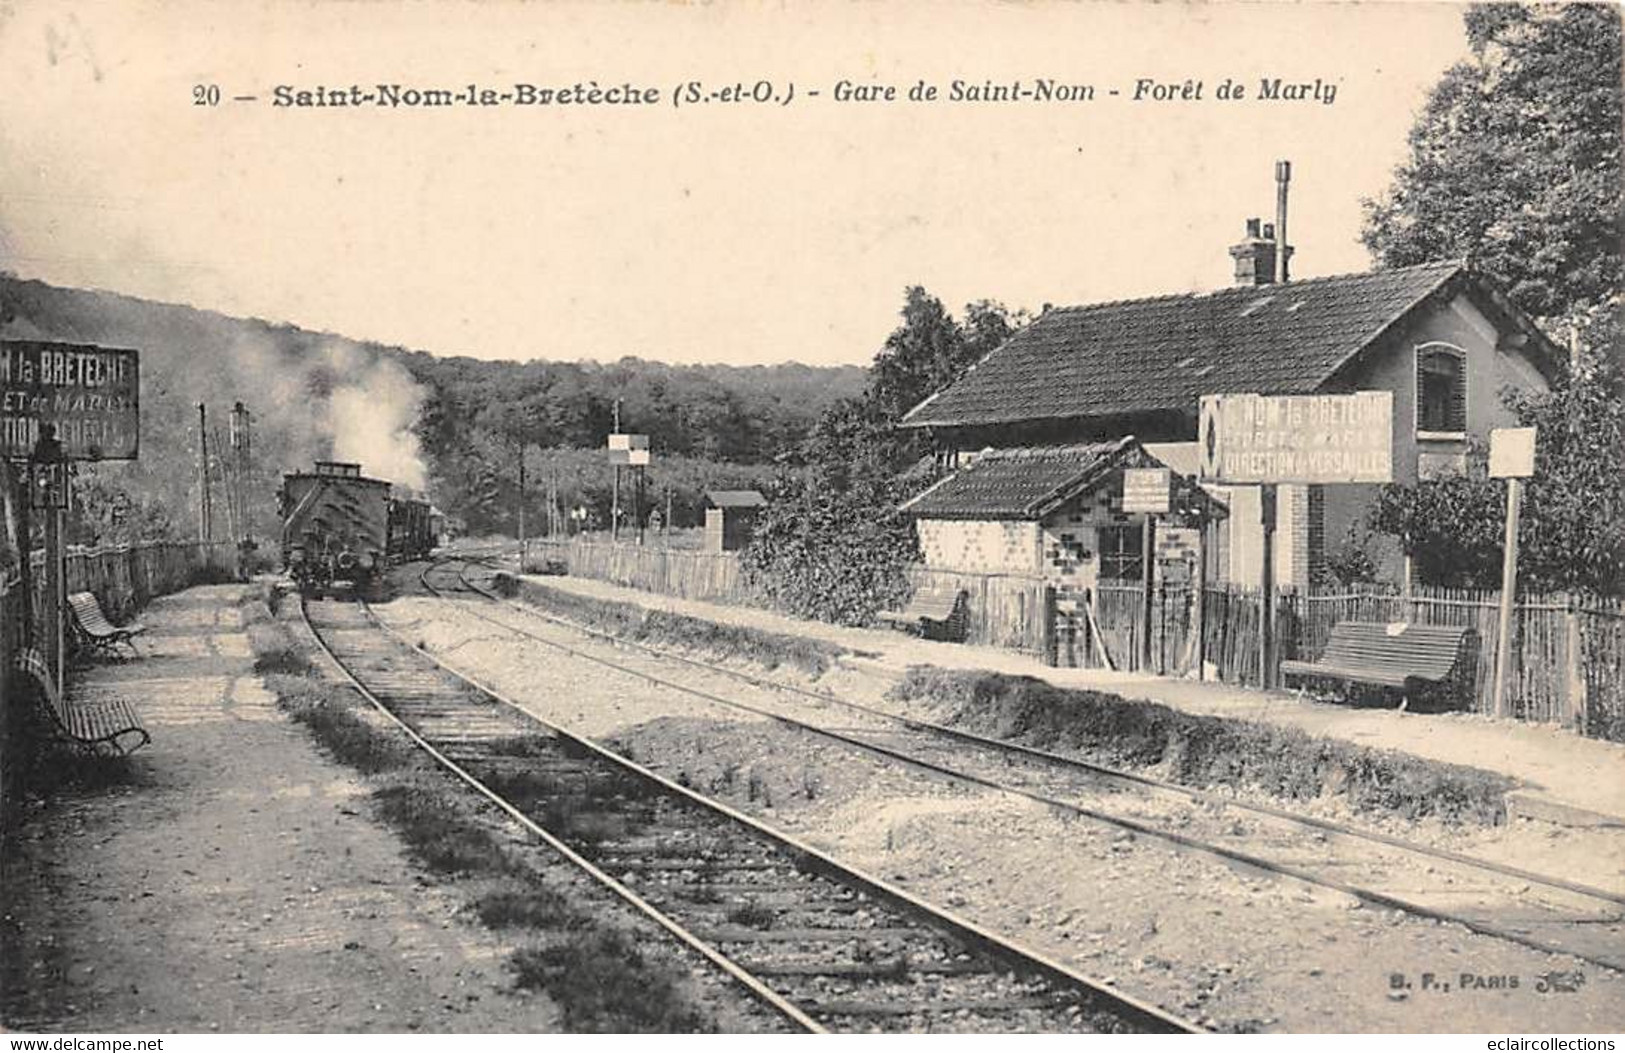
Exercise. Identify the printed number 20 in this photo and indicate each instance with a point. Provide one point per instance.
(205, 95)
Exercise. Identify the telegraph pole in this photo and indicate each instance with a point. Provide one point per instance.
(205, 514)
(615, 492)
(521, 508)
(242, 444)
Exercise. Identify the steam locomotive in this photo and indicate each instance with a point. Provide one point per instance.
(342, 528)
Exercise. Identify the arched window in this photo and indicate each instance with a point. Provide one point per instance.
(1441, 389)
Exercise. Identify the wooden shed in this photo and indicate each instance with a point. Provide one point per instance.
(730, 516)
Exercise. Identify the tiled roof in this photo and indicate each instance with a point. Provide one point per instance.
(1017, 483)
(735, 499)
(1132, 356)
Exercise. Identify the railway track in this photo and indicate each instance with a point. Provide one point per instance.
(826, 947)
(1543, 912)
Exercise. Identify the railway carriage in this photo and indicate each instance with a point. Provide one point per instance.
(341, 528)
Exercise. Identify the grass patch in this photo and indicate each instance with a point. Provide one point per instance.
(592, 967)
(537, 907)
(1204, 751)
(439, 832)
(632, 622)
(604, 983)
(328, 710)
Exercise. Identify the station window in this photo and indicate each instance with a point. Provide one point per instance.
(1441, 390)
(1121, 553)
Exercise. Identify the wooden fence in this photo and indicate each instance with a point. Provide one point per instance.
(1567, 655)
(1004, 610)
(670, 572)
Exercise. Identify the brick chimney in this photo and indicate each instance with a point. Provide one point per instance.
(1255, 255)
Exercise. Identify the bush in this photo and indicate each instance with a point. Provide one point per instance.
(1203, 751)
(605, 983)
(632, 622)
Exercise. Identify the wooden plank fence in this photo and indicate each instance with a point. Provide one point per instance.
(1004, 610)
(1568, 654)
(671, 572)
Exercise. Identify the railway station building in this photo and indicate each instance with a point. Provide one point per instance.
(1028, 441)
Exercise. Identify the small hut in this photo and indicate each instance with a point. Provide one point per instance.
(730, 516)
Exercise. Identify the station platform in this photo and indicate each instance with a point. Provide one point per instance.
(1563, 777)
(229, 877)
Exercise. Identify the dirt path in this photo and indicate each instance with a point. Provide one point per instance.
(233, 880)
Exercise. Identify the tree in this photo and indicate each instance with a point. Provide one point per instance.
(832, 544)
(930, 350)
(1515, 160)
(1515, 166)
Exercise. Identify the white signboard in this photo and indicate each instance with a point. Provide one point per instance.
(1297, 438)
(620, 441)
(1146, 490)
(1512, 453)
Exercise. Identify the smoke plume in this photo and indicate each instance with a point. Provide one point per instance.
(370, 414)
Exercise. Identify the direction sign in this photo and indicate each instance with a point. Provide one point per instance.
(1512, 453)
(91, 394)
(1297, 438)
(1146, 490)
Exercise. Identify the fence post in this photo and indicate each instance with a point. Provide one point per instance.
(1575, 695)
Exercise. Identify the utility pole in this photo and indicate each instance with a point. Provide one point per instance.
(521, 508)
(1148, 543)
(615, 492)
(205, 514)
(228, 484)
(637, 504)
(242, 445)
(1266, 599)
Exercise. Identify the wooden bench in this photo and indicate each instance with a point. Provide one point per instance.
(938, 613)
(1396, 655)
(94, 630)
(90, 726)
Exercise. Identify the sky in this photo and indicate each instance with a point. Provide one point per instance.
(731, 232)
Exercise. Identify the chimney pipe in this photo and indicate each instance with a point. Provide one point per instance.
(1283, 176)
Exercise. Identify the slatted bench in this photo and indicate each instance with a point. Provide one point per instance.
(1399, 655)
(94, 630)
(937, 613)
(95, 727)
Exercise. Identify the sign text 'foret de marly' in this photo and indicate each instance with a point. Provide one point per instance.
(1249, 438)
(90, 394)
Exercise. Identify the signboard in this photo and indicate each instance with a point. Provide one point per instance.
(91, 394)
(1297, 438)
(620, 441)
(1146, 489)
(1512, 453)
(636, 457)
